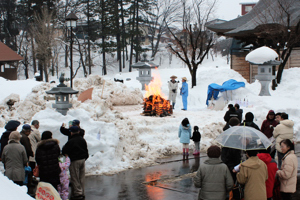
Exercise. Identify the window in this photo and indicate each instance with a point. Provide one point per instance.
(270, 70)
(262, 70)
(248, 8)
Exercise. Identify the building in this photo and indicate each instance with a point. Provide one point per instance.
(252, 30)
(247, 5)
(8, 62)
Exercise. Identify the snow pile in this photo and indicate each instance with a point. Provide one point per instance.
(11, 191)
(261, 55)
(114, 93)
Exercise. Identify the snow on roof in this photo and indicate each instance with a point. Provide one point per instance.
(248, 1)
(261, 55)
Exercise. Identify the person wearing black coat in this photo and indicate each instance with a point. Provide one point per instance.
(196, 138)
(231, 113)
(239, 111)
(11, 126)
(76, 149)
(66, 131)
(47, 154)
(25, 141)
(249, 121)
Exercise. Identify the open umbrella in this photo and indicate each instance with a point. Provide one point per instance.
(243, 138)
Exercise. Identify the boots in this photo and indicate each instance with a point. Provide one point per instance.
(173, 106)
(196, 152)
(183, 153)
(187, 153)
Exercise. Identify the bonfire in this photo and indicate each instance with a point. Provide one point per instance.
(155, 103)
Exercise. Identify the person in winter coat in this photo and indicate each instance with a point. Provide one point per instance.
(196, 138)
(63, 187)
(213, 177)
(173, 86)
(269, 124)
(253, 174)
(184, 133)
(267, 128)
(184, 92)
(230, 113)
(272, 169)
(249, 121)
(231, 157)
(26, 130)
(14, 159)
(284, 130)
(288, 172)
(76, 149)
(239, 111)
(67, 132)
(47, 154)
(35, 138)
(11, 125)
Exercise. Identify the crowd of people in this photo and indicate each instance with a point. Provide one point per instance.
(256, 176)
(41, 153)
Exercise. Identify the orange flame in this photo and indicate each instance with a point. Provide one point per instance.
(154, 87)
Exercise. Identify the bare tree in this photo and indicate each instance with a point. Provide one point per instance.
(193, 42)
(161, 14)
(44, 30)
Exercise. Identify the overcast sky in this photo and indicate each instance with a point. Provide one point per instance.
(228, 9)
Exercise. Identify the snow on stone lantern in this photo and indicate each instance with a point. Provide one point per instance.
(144, 67)
(62, 93)
(265, 58)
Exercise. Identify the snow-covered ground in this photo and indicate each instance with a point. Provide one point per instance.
(130, 140)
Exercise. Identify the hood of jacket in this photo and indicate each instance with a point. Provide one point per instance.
(270, 112)
(213, 161)
(287, 122)
(47, 144)
(265, 157)
(252, 163)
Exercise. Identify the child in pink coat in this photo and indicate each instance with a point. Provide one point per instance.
(63, 187)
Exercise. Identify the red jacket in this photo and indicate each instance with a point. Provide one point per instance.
(272, 168)
(268, 125)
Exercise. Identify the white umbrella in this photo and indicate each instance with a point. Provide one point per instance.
(243, 138)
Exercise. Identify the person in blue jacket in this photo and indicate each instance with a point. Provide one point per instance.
(184, 133)
(184, 92)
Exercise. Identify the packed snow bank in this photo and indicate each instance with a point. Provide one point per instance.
(261, 55)
(11, 191)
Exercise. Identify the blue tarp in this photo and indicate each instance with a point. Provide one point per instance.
(214, 89)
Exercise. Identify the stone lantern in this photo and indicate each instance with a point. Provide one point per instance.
(62, 93)
(144, 67)
(264, 58)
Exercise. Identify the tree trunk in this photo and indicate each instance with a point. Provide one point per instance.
(40, 63)
(103, 40)
(118, 34)
(282, 65)
(132, 34)
(194, 76)
(137, 33)
(33, 54)
(123, 33)
(89, 43)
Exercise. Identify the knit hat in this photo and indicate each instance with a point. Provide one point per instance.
(249, 117)
(76, 122)
(46, 135)
(26, 127)
(15, 135)
(74, 129)
(12, 125)
(234, 121)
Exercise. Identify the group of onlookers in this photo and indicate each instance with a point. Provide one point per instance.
(42, 153)
(257, 175)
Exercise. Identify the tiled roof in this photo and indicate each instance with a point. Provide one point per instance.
(265, 12)
(7, 54)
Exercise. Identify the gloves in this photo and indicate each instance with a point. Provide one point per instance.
(174, 90)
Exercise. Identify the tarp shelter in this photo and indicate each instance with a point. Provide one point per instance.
(214, 89)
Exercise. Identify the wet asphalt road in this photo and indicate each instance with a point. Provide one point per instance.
(142, 184)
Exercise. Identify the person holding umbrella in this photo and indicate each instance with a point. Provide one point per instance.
(173, 86)
(11, 126)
